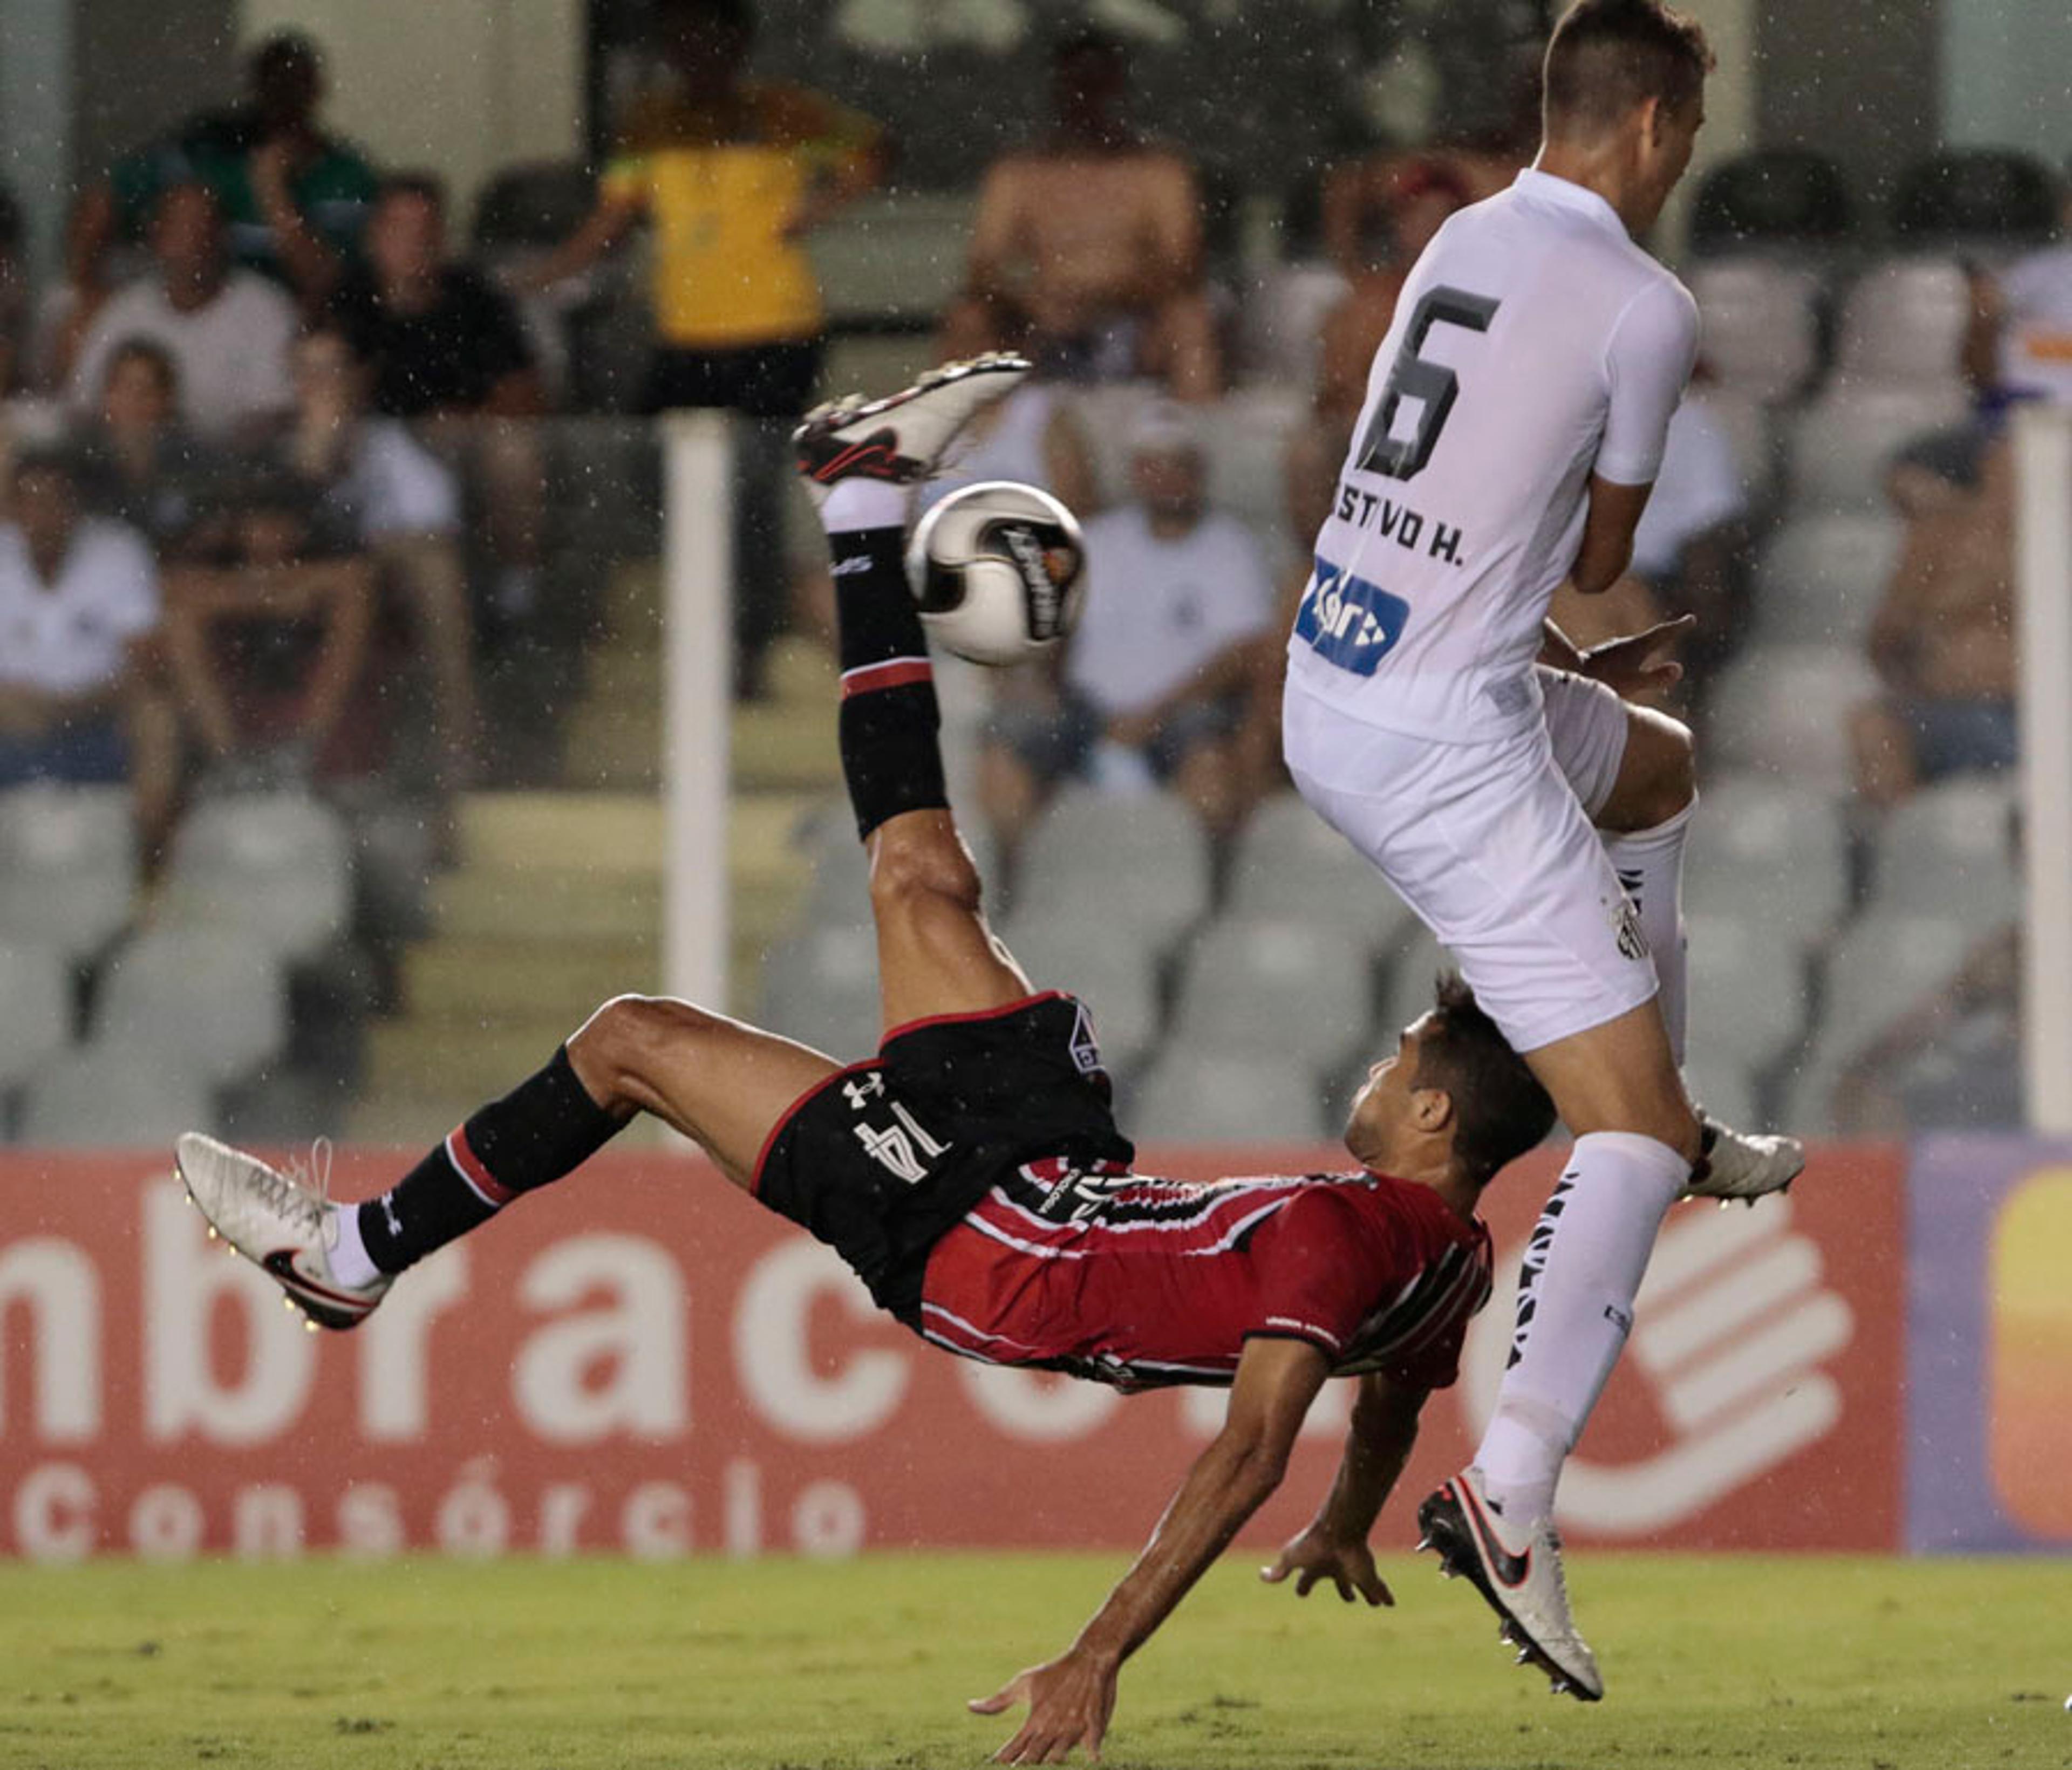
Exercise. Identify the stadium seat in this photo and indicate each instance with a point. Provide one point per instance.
(68, 866)
(1288, 861)
(1747, 988)
(1245, 447)
(821, 987)
(1746, 422)
(1772, 850)
(1842, 445)
(1776, 196)
(1821, 578)
(1194, 1096)
(210, 995)
(35, 1008)
(1280, 985)
(1102, 961)
(1949, 850)
(276, 867)
(1784, 710)
(114, 1097)
(1761, 325)
(1994, 196)
(1885, 964)
(1905, 323)
(1140, 860)
(1724, 1088)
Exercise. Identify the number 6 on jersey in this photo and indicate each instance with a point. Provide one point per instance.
(1432, 383)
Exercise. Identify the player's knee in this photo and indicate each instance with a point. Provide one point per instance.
(910, 869)
(622, 1041)
(1668, 775)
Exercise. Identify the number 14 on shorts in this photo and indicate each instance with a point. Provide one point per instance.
(902, 1147)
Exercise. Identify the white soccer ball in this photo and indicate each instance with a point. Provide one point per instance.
(996, 569)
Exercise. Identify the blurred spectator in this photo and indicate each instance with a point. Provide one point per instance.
(445, 348)
(1385, 240)
(136, 462)
(732, 173)
(1943, 639)
(268, 645)
(1363, 198)
(439, 338)
(2020, 342)
(79, 608)
(227, 331)
(1156, 679)
(1094, 235)
(1033, 436)
(294, 196)
(377, 490)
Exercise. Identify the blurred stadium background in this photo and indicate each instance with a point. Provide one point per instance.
(277, 918)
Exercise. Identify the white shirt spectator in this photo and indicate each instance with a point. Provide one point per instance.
(1699, 488)
(232, 353)
(1157, 611)
(2036, 340)
(72, 636)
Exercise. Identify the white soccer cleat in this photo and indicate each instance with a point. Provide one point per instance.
(1523, 1582)
(1742, 1165)
(905, 437)
(279, 1221)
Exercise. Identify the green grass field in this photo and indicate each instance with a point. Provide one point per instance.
(1716, 1662)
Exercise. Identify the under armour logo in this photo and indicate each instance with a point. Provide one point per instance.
(867, 1086)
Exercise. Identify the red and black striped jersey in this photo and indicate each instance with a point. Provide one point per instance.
(1137, 1281)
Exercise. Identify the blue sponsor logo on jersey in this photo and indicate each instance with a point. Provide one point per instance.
(1349, 622)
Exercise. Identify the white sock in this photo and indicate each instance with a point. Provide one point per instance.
(1583, 1267)
(863, 503)
(350, 1263)
(1649, 864)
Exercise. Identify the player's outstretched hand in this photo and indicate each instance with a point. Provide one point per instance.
(1070, 1700)
(1638, 664)
(1315, 1555)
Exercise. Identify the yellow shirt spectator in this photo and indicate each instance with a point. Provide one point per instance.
(728, 189)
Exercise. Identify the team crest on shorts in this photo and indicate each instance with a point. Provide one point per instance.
(1626, 925)
(1085, 1047)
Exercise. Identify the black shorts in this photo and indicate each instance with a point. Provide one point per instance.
(883, 1158)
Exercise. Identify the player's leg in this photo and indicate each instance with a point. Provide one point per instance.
(935, 954)
(724, 1085)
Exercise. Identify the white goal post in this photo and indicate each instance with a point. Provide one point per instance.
(697, 692)
(2043, 588)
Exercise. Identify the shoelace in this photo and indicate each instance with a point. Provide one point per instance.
(303, 1193)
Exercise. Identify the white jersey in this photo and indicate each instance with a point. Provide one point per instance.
(1534, 344)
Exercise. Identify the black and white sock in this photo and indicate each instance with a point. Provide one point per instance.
(546, 1126)
(891, 759)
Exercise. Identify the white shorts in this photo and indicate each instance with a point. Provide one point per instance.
(1586, 725)
(1490, 845)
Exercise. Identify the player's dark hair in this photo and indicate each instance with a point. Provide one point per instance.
(1500, 1110)
(1607, 56)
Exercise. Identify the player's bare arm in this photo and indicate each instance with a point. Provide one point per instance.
(1333, 1546)
(1613, 515)
(1072, 1696)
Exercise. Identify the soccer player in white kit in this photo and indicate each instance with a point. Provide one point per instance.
(1515, 420)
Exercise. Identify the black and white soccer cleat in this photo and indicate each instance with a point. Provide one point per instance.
(280, 1223)
(1523, 1581)
(1742, 1165)
(905, 437)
